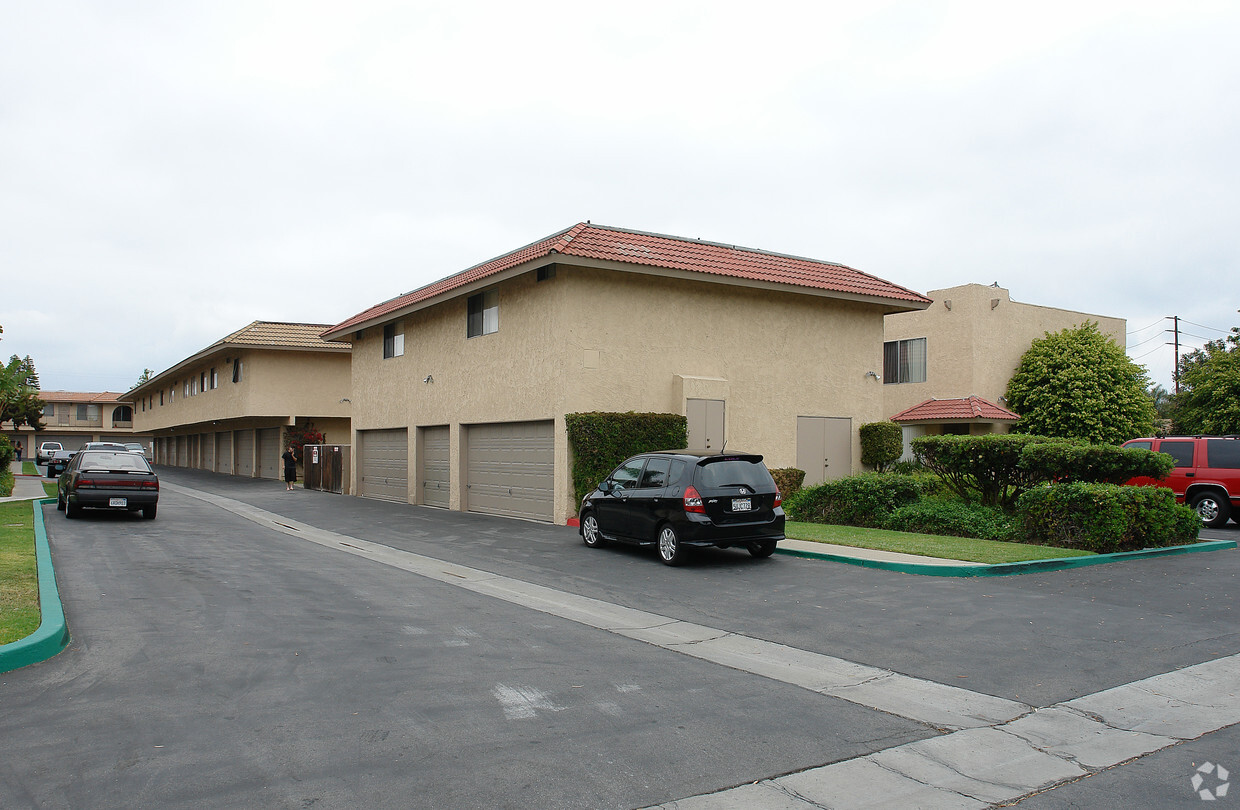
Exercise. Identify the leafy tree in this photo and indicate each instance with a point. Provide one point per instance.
(1209, 398)
(882, 443)
(19, 393)
(147, 373)
(1163, 401)
(1079, 384)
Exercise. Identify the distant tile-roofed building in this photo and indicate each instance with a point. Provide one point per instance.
(226, 408)
(76, 417)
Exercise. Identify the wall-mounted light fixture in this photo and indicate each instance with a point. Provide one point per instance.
(947, 302)
(428, 379)
(872, 374)
(346, 399)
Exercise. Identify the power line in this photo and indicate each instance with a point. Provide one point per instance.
(1147, 340)
(1203, 326)
(1155, 323)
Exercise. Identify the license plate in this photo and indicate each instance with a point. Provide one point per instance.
(118, 502)
(741, 505)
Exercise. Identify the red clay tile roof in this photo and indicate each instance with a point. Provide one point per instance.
(675, 253)
(79, 396)
(956, 410)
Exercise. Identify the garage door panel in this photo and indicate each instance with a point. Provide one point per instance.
(383, 464)
(269, 453)
(511, 469)
(436, 446)
(208, 451)
(245, 452)
(224, 452)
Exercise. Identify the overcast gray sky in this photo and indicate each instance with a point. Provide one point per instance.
(200, 165)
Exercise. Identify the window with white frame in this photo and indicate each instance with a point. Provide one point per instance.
(393, 341)
(215, 378)
(904, 361)
(483, 317)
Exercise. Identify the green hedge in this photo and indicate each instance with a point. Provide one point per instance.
(986, 466)
(1065, 462)
(1105, 518)
(600, 441)
(858, 500)
(788, 479)
(882, 444)
(953, 518)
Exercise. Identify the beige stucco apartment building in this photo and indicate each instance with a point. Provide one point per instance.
(946, 367)
(225, 408)
(460, 389)
(75, 417)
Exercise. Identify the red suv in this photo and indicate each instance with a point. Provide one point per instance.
(1206, 475)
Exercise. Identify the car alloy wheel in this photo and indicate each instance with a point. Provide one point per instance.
(671, 552)
(589, 531)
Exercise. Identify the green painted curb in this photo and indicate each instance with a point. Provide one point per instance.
(53, 634)
(1012, 569)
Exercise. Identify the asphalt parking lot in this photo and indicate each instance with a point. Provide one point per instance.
(218, 663)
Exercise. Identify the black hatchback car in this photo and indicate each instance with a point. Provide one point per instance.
(108, 479)
(680, 499)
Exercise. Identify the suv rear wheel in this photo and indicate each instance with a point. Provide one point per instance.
(1212, 508)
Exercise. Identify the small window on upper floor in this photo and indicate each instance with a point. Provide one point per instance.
(483, 314)
(904, 361)
(393, 341)
(237, 370)
(49, 409)
(161, 397)
(215, 378)
(187, 388)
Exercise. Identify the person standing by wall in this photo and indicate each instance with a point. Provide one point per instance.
(290, 468)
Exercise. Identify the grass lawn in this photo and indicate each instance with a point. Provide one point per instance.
(19, 582)
(28, 468)
(50, 489)
(927, 545)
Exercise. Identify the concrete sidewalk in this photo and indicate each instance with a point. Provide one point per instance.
(867, 553)
(25, 487)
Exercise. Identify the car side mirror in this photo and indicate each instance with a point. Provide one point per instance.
(606, 486)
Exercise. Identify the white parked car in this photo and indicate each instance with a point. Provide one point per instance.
(45, 451)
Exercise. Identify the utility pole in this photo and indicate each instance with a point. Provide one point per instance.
(1175, 370)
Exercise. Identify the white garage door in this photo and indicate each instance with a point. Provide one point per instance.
(269, 465)
(435, 449)
(208, 451)
(511, 469)
(383, 464)
(245, 452)
(224, 452)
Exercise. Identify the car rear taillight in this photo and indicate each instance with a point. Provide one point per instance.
(693, 501)
(86, 483)
(779, 498)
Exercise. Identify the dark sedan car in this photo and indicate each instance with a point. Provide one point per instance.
(679, 499)
(108, 479)
(58, 461)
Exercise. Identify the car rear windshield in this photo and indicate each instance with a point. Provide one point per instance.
(113, 461)
(734, 473)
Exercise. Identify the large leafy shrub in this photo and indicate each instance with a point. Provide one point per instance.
(600, 441)
(1065, 462)
(1079, 384)
(858, 500)
(882, 444)
(954, 518)
(788, 479)
(1105, 518)
(986, 467)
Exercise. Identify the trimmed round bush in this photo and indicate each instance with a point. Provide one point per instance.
(858, 500)
(952, 518)
(1105, 518)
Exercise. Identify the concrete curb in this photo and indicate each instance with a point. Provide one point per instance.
(1011, 569)
(53, 633)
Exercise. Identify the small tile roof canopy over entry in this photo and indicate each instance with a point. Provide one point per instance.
(956, 410)
(602, 243)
